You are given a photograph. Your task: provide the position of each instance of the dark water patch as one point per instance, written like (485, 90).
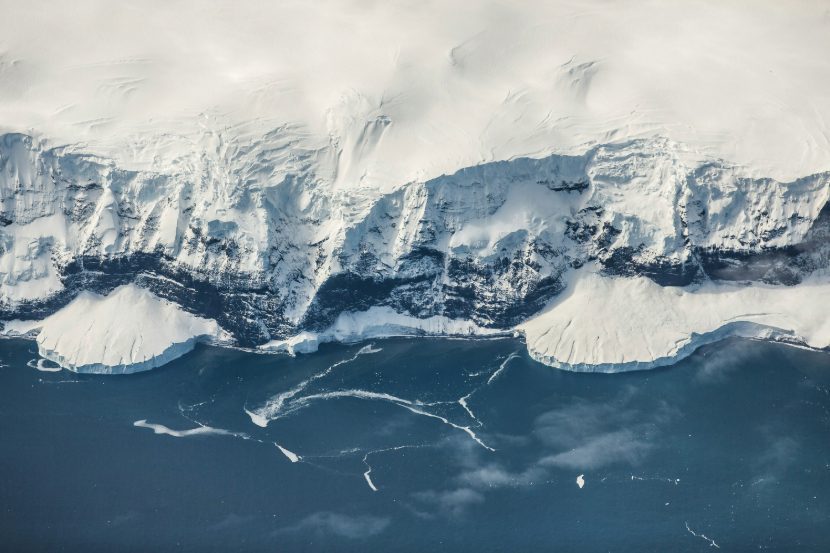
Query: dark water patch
(470, 446)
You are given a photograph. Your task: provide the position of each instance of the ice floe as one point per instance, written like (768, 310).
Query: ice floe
(198, 431)
(293, 457)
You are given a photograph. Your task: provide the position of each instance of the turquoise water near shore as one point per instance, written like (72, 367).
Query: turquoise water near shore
(418, 444)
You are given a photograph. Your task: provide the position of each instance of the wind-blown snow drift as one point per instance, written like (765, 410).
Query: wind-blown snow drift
(129, 330)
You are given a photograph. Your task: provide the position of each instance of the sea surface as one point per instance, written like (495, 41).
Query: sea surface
(417, 445)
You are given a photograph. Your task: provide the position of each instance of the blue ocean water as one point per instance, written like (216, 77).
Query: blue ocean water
(418, 445)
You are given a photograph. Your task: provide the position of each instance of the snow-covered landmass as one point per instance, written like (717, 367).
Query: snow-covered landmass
(614, 324)
(302, 172)
(127, 331)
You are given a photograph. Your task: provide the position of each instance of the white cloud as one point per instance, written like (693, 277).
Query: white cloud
(346, 526)
(622, 446)
(451, 502)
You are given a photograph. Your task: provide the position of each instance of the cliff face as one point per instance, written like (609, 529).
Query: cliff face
(258, 236)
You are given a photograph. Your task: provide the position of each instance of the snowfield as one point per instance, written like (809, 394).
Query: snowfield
(128, 331)
(409, 91)
(617, 324)
(619, 182)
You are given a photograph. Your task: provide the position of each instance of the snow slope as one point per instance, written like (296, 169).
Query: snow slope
(128, 331)
(615, 324)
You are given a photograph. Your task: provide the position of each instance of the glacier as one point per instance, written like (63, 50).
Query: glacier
(619, 324)
(129, 330)
(467, 176)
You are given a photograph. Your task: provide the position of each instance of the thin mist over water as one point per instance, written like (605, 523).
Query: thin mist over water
(418, 444)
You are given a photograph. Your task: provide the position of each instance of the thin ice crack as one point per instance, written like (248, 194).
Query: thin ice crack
(367, 475)
(272, 408)
(703, 536)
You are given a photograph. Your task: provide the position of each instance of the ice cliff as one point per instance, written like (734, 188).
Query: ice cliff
(130, 330)
(271, 257)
